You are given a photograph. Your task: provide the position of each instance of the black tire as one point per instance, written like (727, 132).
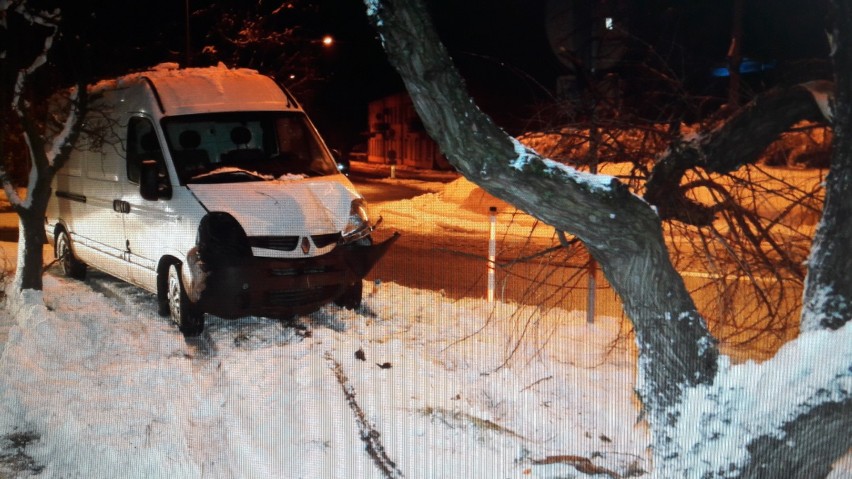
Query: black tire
(182, 312)
(351, 299)
(70, 266)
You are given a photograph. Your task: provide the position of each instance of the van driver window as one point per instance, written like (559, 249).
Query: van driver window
(142, 145)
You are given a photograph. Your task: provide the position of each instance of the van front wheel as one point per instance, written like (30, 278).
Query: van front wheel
(189, 320)
(68, 263)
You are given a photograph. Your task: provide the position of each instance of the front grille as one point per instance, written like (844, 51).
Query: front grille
(324, 240)
(306, 269)
(278, 243)
(299, 297)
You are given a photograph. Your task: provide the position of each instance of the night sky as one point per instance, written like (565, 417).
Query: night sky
(502, 50)
(500, 47)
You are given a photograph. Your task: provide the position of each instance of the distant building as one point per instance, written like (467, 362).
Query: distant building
(397, 135)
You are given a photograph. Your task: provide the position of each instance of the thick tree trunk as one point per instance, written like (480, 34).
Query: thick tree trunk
(828, 287)
(810, 444)
(31, 235)
(621, 231)
(31, 212)
(30, 245)
(677, 356)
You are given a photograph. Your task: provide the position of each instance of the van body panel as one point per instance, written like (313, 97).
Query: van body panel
(302, 208)
(217, 90)
(230, 149)
(155, 229)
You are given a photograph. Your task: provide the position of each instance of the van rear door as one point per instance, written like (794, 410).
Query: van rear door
(70, 201)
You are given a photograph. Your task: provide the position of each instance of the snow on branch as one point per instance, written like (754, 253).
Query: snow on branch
(594, 182)
(11, 193)
(823, 93)
(39, 61)
(43, 18)
(19, 103)
(62, 140)
(372, 7)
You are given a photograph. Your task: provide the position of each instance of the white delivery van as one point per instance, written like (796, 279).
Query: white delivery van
(211, 188)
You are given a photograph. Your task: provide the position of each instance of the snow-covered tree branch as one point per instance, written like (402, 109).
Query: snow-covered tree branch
(828, 288)
(685, 386)
(737, 141)
(620, 229)
(46, 154)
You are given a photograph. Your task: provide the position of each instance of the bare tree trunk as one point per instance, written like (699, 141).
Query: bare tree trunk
(828, 287)
(31, 211)
(31, 239)
(811, 443)
(620, 230)
(677, 356)
(46, 155)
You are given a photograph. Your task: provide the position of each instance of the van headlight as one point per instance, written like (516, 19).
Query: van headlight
(358, 225)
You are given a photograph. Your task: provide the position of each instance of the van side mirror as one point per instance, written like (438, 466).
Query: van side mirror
(150, 186)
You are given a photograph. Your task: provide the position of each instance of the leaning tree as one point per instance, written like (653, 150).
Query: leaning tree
(787, 417)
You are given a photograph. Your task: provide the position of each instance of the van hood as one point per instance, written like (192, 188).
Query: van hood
(282, 207)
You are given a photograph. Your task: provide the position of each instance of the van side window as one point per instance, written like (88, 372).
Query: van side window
(142, 144)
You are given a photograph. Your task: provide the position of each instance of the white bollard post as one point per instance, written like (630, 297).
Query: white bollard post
(492, 253)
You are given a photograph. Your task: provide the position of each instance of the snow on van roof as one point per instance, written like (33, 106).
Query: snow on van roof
(185, 91)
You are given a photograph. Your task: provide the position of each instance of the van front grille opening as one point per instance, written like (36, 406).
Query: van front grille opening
(277, 243)
(299, 297)
(324, 240)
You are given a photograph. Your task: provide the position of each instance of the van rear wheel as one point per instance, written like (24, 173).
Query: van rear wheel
(70, 266)
(188, 318)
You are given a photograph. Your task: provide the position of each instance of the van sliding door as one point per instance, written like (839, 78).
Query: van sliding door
(101, 228)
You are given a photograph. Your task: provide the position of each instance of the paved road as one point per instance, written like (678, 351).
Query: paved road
(457, 266)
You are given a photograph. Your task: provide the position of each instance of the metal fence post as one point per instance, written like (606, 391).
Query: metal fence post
(492, 253)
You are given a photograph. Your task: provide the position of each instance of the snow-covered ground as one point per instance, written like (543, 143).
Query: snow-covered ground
(94, 384)
(103, 385)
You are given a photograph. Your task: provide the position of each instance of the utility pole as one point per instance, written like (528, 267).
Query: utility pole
(735, 55)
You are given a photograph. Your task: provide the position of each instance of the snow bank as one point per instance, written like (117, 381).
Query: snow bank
(106, 385)
(71, 379)
(750, 400)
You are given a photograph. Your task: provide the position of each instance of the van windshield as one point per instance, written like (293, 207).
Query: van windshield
(245, 146)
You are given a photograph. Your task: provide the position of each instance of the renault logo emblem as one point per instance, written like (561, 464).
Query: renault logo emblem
(306, 245)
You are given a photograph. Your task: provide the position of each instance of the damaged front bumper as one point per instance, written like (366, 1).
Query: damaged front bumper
(279, 288)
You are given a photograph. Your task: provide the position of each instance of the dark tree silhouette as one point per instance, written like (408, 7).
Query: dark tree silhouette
(35, 32)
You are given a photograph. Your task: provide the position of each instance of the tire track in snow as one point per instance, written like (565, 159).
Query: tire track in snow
(369, 435)
(232, 364)
(129, 298)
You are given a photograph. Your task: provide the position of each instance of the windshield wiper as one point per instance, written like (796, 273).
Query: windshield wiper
(217, 175)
